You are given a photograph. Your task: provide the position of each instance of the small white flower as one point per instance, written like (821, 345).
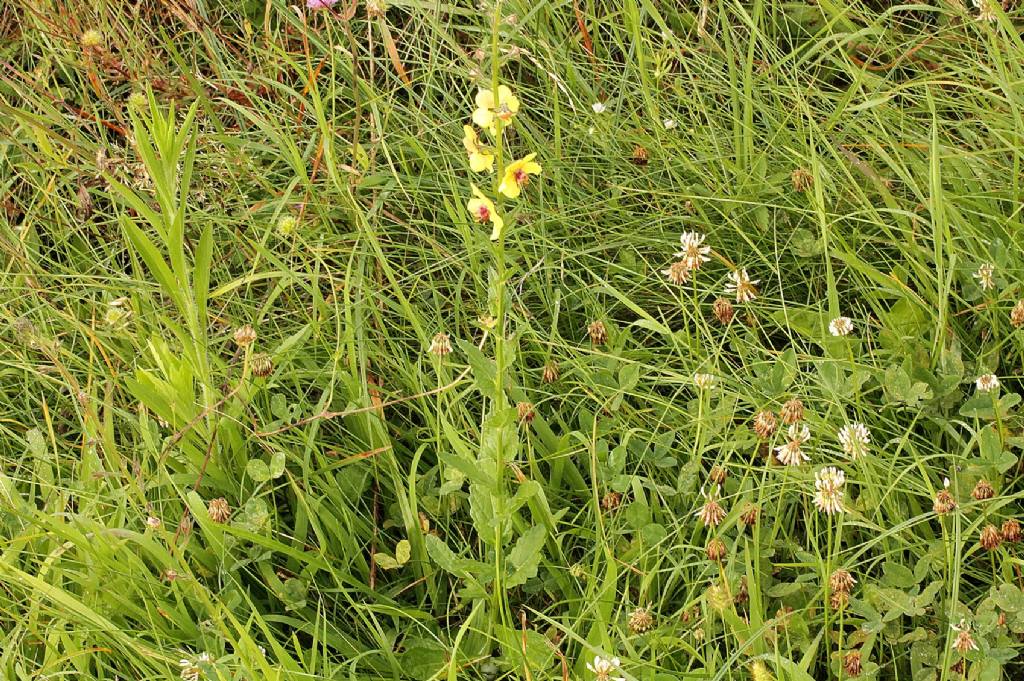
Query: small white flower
(603, 668)
(828, 489)
(791, 453)
(742, 285)
(590, 130)
(985, 276)
(855, 439)
(986, 383)
(669, 123)
(704, 381)
(598, 107)
(153, 523)
(841, 326)
(986, 10)
(192, 670)
(693, 253)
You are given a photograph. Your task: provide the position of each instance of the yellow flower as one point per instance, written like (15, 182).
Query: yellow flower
(479, 160)
(487, 109)
(482, 210)
(518, 174)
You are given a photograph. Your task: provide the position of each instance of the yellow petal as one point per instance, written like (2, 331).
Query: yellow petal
(509, 187)
(485, 98)
(484, 117)
(499, 225)
(469, 139)
(531, 168)
(479, 162)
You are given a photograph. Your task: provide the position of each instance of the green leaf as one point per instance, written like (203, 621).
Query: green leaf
(386, 562)
(258, 470)
(483, 368)
(276, 468)
(402, 551)
(525, 556)
(896, 575)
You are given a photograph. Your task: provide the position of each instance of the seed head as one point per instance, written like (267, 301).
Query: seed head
(640, 156)
(792, 411)
(718, 475)
(1017, 315)
(287, 225)
(91, 41)
(802, 180)
(1011, 531)
(983, 490)
(550, 373)
(723, 310)
(219, 510)
(749, 513)
(839, 600)
(611, 501)
(598, 333)
(718, 597)
(262, 365)
(964, 641)
(711, 514)
(153, 523)
(759, 672)
(245, 336)
(764, 424)
(677, 273)
(716, 550)
(990, 539)
(944, 502)
(841, 580)
(525, 412)
(851, 663)
(641, 620)
(440, 345)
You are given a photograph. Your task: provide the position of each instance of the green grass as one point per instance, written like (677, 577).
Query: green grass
(207, 165)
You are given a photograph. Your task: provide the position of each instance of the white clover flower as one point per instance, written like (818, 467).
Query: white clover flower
(828, 489)
(742, 285)
(598, 107)
(986, 383)
(985, 276)
(669, 123)
(603, 668)
(841, 326)
(704, 381)
(693, 253)
(855, 438)
(791, 453)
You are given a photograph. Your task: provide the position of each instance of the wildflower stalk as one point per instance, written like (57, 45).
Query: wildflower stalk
(499, 610)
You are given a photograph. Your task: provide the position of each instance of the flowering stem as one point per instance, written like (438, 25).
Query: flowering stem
(499, 604)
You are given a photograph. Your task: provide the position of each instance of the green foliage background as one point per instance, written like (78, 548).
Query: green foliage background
(197, 166)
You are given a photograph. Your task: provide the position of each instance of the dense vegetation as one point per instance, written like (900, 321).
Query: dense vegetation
(538, 340)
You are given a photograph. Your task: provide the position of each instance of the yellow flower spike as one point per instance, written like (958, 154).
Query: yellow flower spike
(482, 209)
(517, 174)
(488, 109)
(479, 160)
